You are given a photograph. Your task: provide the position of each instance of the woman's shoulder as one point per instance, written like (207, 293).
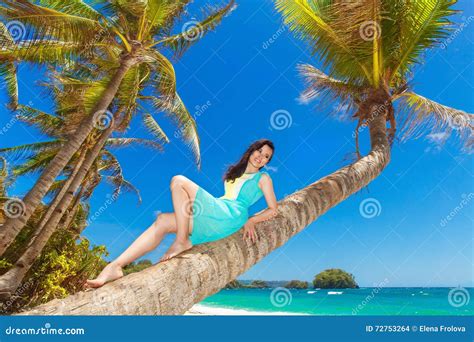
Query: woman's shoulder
(265, 175)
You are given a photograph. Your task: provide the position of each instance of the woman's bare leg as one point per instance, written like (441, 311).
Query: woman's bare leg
(165, 223)
(183, 193)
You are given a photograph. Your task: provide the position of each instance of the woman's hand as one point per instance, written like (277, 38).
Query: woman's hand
(249, 231)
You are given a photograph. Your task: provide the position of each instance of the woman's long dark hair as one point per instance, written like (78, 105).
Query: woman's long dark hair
(236, 170)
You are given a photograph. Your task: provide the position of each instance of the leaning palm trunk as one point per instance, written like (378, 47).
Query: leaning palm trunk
(72, 212)
(174, 286)
(32, 199)
(58, 198)
(10, 281)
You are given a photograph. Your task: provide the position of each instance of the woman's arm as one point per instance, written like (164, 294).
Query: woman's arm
(266, 185)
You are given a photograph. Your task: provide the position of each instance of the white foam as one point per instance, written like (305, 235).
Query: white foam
(199, 309)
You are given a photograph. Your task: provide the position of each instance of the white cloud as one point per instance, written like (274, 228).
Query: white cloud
(438, 140)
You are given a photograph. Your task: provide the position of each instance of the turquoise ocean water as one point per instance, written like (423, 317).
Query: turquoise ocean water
(363, 301)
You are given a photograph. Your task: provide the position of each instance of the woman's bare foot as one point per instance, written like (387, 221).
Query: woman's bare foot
(110, 272)
(176, 248)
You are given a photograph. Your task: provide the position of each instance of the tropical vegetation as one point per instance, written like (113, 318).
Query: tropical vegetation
(334, 278)
(368, 51)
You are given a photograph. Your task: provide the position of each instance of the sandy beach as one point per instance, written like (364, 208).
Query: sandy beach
(200, 309)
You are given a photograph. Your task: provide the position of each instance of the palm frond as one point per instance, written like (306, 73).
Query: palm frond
(4, 178)
(22, 151)
(45, 122)
(314, 22)
(73, 7)
(193, 30)
(51, 51)
(8, 73)
(35, 162)
(420, 115)
(178, 113)
(327, 90)
(117, 179)
(65, 23)
(154, 128)
(162, 15)
(6, 39)
(421, 25)
(124, 142)
(165, 77)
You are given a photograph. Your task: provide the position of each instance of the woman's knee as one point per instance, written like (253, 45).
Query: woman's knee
(178, 180)
(165, 222)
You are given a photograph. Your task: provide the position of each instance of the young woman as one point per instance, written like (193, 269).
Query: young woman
(210, 218)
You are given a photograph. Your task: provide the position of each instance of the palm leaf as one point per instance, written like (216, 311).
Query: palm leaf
(124, 142)
(22, 151)
(420, 114)
(193, 30)
(61, 25)
(117, 179)
(154, 128)
(8, 73)
(46, 123)
(312, 21)
(165, 77)
(178, 113)
(36, 162)
(422, 24)
(50, 51)
(327, 90)
(161, 15)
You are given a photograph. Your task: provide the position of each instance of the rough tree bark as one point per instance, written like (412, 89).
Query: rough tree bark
(172, 287)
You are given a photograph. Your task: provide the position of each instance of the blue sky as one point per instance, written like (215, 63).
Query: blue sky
(232, 81)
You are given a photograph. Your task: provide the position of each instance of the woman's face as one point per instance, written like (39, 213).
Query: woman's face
(260, 157)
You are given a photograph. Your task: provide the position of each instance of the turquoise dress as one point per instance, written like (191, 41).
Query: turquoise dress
(215, 218)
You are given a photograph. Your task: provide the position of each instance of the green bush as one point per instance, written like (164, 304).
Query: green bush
(334, 278)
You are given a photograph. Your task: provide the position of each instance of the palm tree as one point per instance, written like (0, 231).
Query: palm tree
(130, 36)
(4, 182)
(80, 177)
(368, 71)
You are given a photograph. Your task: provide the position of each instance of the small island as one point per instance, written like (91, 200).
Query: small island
(234, 284)
(296, 284)
(255, 284)
(258, 284)
(334, 278)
